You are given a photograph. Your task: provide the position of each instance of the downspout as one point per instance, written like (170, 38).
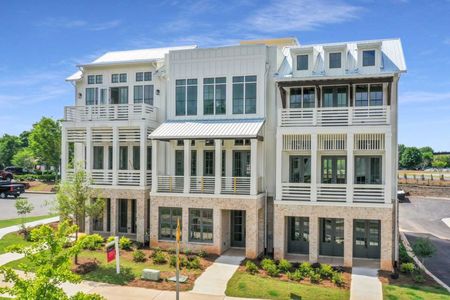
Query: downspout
(265, 173)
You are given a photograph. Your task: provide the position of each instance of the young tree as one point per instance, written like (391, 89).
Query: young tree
(45, 141)
(49, 257)
(423, 248)
(24, 158)
(411, 158)
(76, 200)
(23, 207)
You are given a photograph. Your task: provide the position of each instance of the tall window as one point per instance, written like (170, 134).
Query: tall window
(149, 157)
(136, 157)
(368, 170)
(98, 157)
(179, 163)
(334, 169)
(302, 62)
(376, 94)
(110, 157)
(368, 57)
(208, 162)
(244, 94)
(193, 162)
(335, 60)
(186, 97)
(336, 96)
(300, 169)
(373, 98)
(302, 97)
(201, 225)
(214, 95)
(119, 95)
(143, 94)
(168, 222)
(123, 158)
(91, 96)
(241, 163)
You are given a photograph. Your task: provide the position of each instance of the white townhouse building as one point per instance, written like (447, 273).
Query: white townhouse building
(269, 146)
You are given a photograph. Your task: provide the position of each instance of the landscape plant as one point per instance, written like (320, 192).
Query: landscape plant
(284, 265)
(423, 248)
(305, 269)
(139, 256)
(23, 207)
(91, 241)
(125, 243)
(407, 268)
(326, 271)
(251, 267)
(159, 257)
(296, 275)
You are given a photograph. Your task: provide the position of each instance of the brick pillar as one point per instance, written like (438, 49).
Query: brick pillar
(141, 213)
(386, 243)
(279, 239)
(314, 239)
(348, 242)
(251, 233)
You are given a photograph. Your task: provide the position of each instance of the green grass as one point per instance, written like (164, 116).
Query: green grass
(252, 286)
(409, 292)
(9, 239)
(18, 221)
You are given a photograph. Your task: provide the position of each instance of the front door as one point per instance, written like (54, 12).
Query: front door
(298, 235)
(366, 238)
(238, 228)
(331, 237)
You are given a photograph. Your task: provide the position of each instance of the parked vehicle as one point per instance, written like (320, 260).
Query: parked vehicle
(16, 170)
(11, 189)
(4, 175)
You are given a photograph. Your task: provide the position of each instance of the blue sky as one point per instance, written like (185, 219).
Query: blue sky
(42, 41)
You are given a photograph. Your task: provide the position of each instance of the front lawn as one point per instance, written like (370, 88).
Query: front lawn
(13, 238)
(243, 284)
(409, 292)
(18, 221)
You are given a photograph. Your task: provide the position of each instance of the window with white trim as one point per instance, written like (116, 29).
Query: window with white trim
(214, 95)
(244, 94)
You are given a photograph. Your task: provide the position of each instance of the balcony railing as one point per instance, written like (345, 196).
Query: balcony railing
(236, 185)
(334, 116)
(110, 112)
(102, 177)
(202, 184)
(129, 177)
(371, 193)
(292, 191)
(332, 192)
(171, 184)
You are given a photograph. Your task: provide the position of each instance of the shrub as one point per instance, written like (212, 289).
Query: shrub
(314, 277)
(272, 270)
(173, 261)
(194, 263)
(159, 257)
(418, 277)
(316, 265)
(337, 279)
(110, 239)
(251, 267)
(404, 257)
(202, 254)
(125, 243)
(156, 249)
(187, 251)
(296, 275)
(267, 263)
(91, 242)
(407, 268)
(326, 271)
(284, 265)
(183, 262)
(171, 250)
(305, 269)
(138, 256)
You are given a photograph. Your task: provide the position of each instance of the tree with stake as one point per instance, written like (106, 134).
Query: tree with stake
(23, 207)
(76, 200)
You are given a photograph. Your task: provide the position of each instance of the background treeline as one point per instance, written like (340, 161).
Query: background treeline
(421, 158)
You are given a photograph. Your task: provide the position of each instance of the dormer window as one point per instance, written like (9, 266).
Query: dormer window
(368, 57)
(335, 60)
(302, 62)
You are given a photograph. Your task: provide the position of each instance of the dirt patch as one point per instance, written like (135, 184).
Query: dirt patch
(425, 191)
(404, 279)
(38, 186)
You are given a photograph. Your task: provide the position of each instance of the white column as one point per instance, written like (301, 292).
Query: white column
(388, 168)
(88, 150)
(254, 167)
(155, 145)
(115, 154)
(218, 166)
(187, 165)
(315, 168)
(350, 167)
(143, 155)
(64, 154)
(278, 166)
(200, 148)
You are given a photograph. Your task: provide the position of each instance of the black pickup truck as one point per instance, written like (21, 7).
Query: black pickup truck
(8, 188)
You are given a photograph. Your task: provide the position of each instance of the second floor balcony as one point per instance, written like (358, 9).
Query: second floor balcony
(110, 112)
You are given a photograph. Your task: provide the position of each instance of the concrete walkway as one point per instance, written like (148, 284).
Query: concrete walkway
(6, 230)
(215, 278)
(365, 284)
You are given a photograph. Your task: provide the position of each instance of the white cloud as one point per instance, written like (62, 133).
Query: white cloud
(64, 23)
(424, 97)
(300, 15)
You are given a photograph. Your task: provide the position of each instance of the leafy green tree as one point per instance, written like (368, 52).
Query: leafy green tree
(9, 144)
(427, 159)
(426, 149)
(23, 207)
(24, 158)
(23, 137)
(401, 149)
(45, 141)
(49, 257)
(76, 200)
(411, 158)
(423, 248)
(439, 162)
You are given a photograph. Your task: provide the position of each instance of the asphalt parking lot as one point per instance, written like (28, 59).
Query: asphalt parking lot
(422, 217)
(41, 202)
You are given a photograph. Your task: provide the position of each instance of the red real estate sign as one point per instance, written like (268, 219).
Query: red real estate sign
(110, 253)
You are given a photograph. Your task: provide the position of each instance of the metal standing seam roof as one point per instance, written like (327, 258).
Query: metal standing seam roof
(208, 129)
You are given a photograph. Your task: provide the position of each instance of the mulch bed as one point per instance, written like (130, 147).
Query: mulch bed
(404, 279)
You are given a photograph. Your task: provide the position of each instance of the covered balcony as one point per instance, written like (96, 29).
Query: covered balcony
(213, 157)
(110, 112)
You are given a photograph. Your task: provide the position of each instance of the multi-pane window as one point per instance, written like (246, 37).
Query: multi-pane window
(224, 157)
(201, 225)
(143, 94)
(119, 95)
(241, 163)
(373, 98)
(179, 163)
(136, 158)
(91, 79)
(302, 62)
(98, 157)
(334, 169)
(335, 60)
(143, 76)
(115, 78)
(123, 77)
(110, 157)
(245, 142)
(149, 157)
(123, 158)
(336, 96)
(302, 97)
(193, 162)
(98, 79)
(91, 96)
(368, 57)
(368, 170)
(214, 96)
(168, 217)
(244, 94)
(186, 97)
(300, 169)
(208, 162)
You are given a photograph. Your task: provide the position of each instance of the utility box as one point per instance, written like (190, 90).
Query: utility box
(150, 274)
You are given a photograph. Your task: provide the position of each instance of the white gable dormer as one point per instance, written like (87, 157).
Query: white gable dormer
(369, 57)
(335, 58)
(304, 61)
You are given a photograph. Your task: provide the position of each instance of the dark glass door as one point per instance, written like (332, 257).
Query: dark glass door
(366, 238)
(298, 235)
(331, 237)
(238, 228)
(123, 218)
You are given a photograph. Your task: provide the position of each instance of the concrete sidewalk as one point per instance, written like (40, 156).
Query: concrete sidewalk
(365, 284)
(6, 230)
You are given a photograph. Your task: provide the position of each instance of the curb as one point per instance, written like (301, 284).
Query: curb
(417, 261)
(37, 192)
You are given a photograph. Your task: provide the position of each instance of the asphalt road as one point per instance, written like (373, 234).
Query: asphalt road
(422, 217)
(39, 201)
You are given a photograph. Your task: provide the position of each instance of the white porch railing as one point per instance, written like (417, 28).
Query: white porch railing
(129, 177)
(102, 177)
(202, 184)
(236, 185)
(370, 193)
(171, 184)
(332, 192)
(293, 191)
(108, 112)
(334, 116)
(148, 178)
